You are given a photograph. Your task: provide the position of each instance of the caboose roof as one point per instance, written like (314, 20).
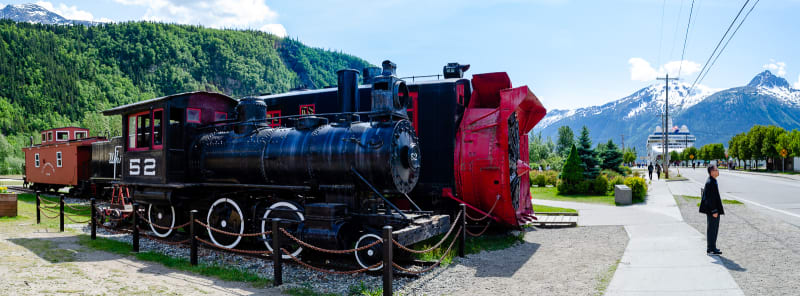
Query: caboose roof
(138, 105)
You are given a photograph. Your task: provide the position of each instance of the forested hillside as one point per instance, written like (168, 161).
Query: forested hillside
(52, 75)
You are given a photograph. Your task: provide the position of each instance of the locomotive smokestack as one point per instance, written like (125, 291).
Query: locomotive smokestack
(250, 112)
(348, 90)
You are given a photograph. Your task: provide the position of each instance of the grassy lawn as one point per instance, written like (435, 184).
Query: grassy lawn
(551, 193)
(549, 209)
(724, 201)
(226, 273)
(10, 182)
(26, 212)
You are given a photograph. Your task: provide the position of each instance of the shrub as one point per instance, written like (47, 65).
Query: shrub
(638, 187)
(584, 187)
(610, 174)
(539, 180)
(551, 178)
(626, 171)
(600, 184)
(564, 188)
(618, 180)
(572, 174)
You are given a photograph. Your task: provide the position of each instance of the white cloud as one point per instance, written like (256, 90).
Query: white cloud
(239, 14)
(70, 12)
(641, 70)
(779, 68)
(797, 84)
(276, 29)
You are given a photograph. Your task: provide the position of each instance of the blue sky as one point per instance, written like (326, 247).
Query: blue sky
(570, 53)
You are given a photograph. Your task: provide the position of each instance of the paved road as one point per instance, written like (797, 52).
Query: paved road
(777, 195)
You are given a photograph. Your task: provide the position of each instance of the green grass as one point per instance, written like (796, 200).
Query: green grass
(605, 279)
(724, 201)
(10, 182)
(486, 242)
(211, 270)
(26, 213)
(551, 193)
(549, 209)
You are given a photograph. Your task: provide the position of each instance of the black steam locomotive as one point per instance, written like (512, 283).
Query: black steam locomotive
(334, 176)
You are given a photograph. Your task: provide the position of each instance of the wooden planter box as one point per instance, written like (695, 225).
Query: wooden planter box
(8, 204)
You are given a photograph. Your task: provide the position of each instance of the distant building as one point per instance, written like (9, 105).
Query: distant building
(678, 139)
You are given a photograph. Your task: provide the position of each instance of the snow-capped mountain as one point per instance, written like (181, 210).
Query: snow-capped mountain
(33, 13)
(712, 115)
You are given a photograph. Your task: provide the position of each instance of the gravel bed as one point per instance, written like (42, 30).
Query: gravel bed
(566, 261)
(293, 275)
(761, 252)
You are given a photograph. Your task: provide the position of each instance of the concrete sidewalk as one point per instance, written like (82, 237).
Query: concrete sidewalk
(664, 256)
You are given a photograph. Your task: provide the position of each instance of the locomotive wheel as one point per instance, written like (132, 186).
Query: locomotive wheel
(161, 215)
(225, 214)
(372, 255)
(292, 213)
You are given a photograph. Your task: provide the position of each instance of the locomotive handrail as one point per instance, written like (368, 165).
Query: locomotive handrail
(407, 249)
(232, 122)
(389, 203)
(435, 264)
(230, 233)
(298, 261)
(327, 250)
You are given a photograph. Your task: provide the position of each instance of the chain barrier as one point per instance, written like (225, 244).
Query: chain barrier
(48, 201)
(479, 233)
(489, 213)
(231, 233)
(74, 221)
(78, 210)
(232, 249)
(429, 268)
(162, 227)
(159, 239)
(115, 231)
(51, 217)
(326, 250)
(298, 261)
(407, 249)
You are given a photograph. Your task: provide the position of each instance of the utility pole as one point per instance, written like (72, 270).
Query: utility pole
(665, 134)
(623, 142)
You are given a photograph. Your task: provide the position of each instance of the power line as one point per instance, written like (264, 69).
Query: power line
(675, 34)
(685, 38)
(729, 40)
(718, 44)
(661, 32)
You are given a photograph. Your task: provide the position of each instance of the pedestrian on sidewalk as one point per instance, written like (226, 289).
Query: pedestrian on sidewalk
(711, 205)
(650, 170)
(658, 171)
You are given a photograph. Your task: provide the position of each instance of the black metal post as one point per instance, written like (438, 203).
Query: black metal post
(387, 260)
(193, 252)
(93, 219)
(136, 227)
(38, 204)
(462, 238)
(61, 224)
(277, 255)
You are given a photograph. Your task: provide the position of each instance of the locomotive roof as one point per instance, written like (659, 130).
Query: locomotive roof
(123, 109)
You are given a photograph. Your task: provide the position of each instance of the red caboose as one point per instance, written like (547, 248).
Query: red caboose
(62, 159)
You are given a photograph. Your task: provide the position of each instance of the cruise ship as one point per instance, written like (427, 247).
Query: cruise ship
(678, 138)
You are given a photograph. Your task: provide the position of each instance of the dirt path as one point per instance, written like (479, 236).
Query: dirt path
(38, 261)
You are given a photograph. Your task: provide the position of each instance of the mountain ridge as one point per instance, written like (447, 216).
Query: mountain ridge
(766, 99)
(36, 14)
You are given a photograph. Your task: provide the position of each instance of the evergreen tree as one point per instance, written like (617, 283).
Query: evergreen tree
(566, 139)
(589, 160)
(572, 173)
(612, 157)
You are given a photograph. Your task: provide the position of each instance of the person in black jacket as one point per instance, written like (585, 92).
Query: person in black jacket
(711, 205)
(650, 171)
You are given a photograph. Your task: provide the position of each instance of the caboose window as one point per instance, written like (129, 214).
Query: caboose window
(49, 136)
(36, 160)
(80, 135)
(58, 159)
(193, 115)
(44, 137)
(62, 136)
(158, 129)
